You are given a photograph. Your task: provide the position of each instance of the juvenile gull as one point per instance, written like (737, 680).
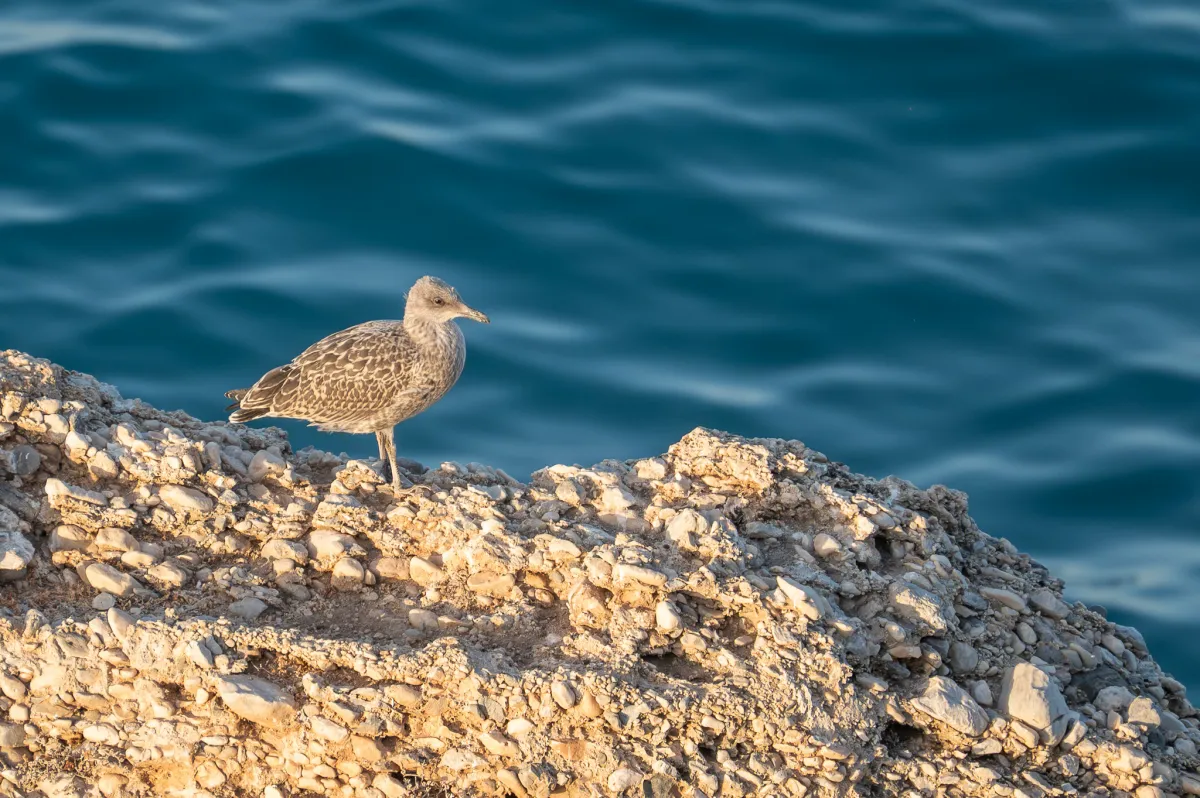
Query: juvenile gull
(372, 376)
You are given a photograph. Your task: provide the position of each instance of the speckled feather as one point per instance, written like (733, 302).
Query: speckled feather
(367, 378)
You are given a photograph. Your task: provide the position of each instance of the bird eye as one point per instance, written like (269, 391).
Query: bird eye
(437, 300)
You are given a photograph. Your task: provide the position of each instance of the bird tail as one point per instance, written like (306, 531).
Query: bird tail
(236, 396)
(257, 400)
(242, 414)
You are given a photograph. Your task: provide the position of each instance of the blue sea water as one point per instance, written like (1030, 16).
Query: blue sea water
(954, 240)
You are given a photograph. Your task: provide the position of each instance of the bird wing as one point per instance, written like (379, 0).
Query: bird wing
(343, 381)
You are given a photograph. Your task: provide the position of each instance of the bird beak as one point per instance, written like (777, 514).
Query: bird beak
(472, 313)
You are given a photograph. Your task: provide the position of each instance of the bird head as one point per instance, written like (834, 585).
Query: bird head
(433, 300)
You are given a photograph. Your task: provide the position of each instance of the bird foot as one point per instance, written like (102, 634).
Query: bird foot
(410, 492)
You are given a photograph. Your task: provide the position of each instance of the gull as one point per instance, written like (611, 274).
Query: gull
(372, 376)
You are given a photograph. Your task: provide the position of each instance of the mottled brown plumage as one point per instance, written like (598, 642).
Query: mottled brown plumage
(372, 376)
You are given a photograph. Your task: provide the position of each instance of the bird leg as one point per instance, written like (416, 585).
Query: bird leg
(399, 483)
(385, 461)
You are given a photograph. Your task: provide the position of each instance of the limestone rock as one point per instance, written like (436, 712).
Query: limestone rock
(944, 700)
(185, 500)
(1030, 695)
(257, 700)
(110, 580)
(16, 552)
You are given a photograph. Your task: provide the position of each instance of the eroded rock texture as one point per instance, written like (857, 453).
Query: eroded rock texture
(192, 609)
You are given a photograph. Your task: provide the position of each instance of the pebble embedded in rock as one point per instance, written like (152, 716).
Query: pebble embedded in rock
(563, 694)
(498, 744)
(248, 608)
(16, 552)
(265, 463)
(280, 549)
(1143, 713)
(257, 700)
(519, 727)
(348, 574)
(423, 620)
(12, 688)
(623, 779)
(116, 540)
(102, 734)
(329, 730)
(1005, 597)
(24, 460)
(963, 657)
(1113, 699)
(390, 786)
(110, 580)
(919, 606)
(489, 583)
(11, 735)
(946, 701)
(168, 574)
(210, 776)
(185, 500)
(806, 600)
(666, 617)
(69, 537)
(624, 572)
(325, 545)
(390, 568)
(827, 546)
(425, 572)
(1029, 694)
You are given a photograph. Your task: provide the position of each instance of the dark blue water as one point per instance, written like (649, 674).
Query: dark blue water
(952, 240)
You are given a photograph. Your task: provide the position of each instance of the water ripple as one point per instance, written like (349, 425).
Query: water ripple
(953, 241)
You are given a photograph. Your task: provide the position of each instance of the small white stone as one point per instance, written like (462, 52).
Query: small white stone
(103, 734)
(326, 545)
(116, 540)
(623, 779)
(120, 622)
(69, 537)
(331, 731)
(666, 616)
(1113, 699)
(563, 695)
(348, 574)
(1005, 597)
(944, 700)
(1143, 713)
(103, 602)
(105, 577)
(826, 546)
(257, 700)
(424, 572)
(498, 744)
(15, 551)
(1029, 694)
(199, 654)
(624, 572)
(519, 727)
(807, 601)
(423, 619)
(248, 608)
(280, 549)
(264, 464)
(185, 500)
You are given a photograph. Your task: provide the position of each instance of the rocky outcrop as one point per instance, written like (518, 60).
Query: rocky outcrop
(193, 609)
